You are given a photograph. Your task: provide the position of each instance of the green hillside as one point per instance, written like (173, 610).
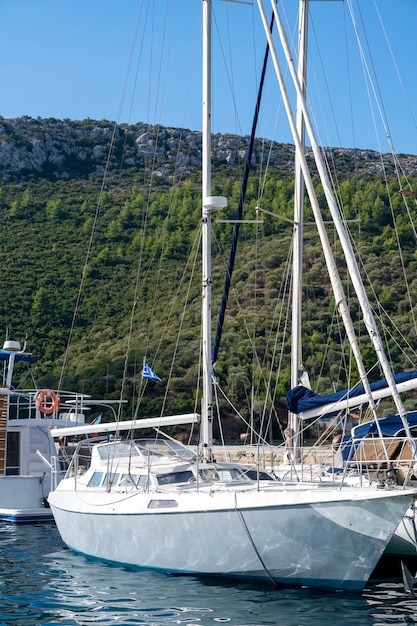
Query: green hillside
(123, 256)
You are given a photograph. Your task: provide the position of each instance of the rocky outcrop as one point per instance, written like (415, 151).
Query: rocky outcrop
(65, 149)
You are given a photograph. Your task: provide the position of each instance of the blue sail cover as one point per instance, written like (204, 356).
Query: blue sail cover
(19, 356)
(300, 399)
(391, 426)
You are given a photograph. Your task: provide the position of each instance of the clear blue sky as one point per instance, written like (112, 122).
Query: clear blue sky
(69, 59)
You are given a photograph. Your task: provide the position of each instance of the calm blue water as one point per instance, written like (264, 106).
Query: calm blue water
(41, 582)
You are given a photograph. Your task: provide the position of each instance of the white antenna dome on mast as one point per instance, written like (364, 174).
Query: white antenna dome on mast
(12, 346)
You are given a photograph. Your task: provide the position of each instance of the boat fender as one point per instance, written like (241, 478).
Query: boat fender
(47, 401)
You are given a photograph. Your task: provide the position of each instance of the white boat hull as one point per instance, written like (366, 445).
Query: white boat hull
(403, 543)
(294, 537)
(22, 499)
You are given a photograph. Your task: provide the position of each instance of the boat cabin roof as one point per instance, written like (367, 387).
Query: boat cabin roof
(141, 451)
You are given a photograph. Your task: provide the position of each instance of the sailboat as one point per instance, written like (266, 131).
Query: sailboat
(153, 503)
(390, 447)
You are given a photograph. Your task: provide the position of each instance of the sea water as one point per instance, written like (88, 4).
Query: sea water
(42, 582)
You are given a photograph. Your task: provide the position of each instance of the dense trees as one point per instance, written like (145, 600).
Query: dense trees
(128, 259)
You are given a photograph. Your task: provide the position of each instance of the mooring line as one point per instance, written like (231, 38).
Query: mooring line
(242, 520)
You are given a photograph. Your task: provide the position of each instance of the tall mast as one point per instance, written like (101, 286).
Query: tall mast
(298, 234)
(341, 231)
(209, 205)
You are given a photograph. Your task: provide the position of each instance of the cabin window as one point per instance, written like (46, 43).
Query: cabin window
(110, 479)
(117, 450)
(161, 447)
(143, 481)
(162, 504)
(128, 480)
(209, 474)
(175, 477)
(95, 480)
(254, 474)
(230, 474)
(133, 480)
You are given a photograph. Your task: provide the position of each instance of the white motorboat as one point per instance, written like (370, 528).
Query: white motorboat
(26, 445)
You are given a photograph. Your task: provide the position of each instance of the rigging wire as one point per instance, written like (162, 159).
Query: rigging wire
(97, 213)
(239, 214)
(373, 88)
(395, 65)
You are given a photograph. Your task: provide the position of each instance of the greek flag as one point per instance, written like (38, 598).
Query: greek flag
(148, 373)
(97, 420)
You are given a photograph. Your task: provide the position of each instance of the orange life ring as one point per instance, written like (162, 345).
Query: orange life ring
(47, 401)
